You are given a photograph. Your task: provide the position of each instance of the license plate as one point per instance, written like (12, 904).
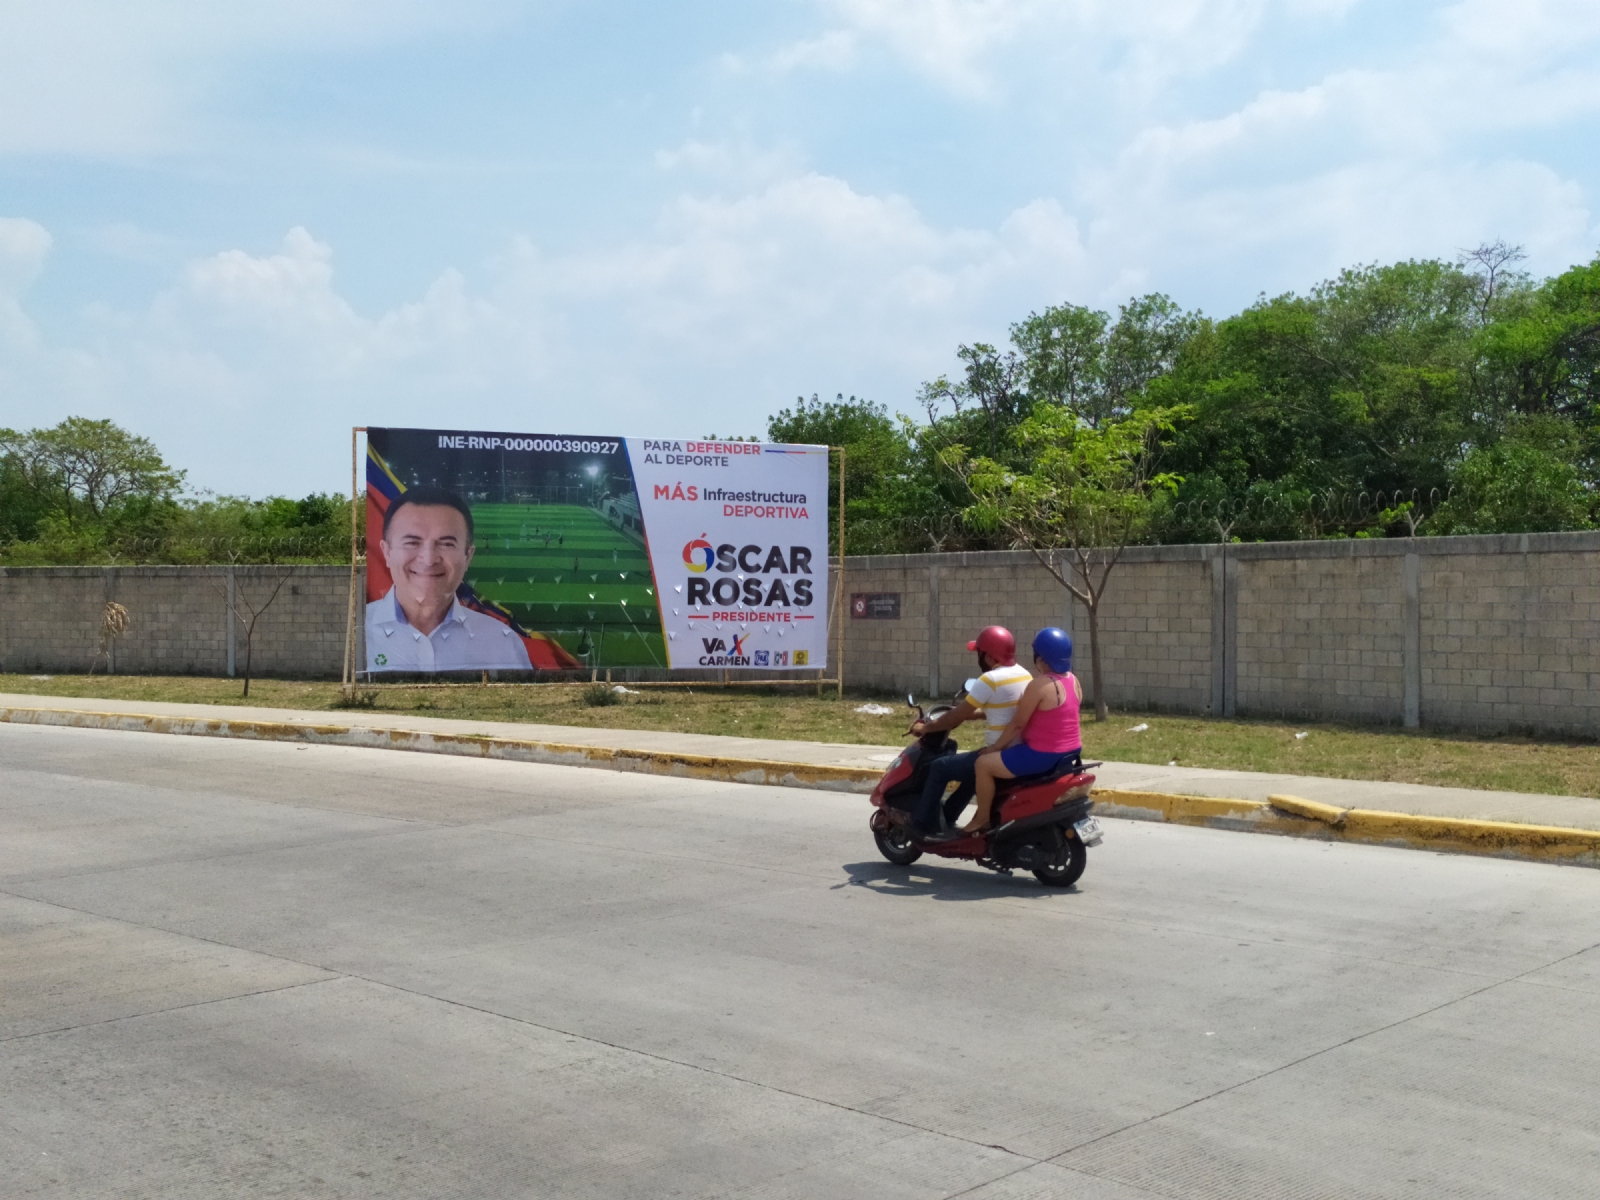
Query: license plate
(1089, 831)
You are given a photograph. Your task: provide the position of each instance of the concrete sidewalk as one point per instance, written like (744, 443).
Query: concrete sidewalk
(1463, 803)
(827, 754)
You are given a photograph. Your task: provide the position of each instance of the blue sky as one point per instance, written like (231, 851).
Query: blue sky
(242, 228)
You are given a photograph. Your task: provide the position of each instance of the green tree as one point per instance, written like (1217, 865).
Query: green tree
(1364, 386)
(880, 487)
(1086, 496)
(1527, 482)
(87, 491)
(1541, 357)
(1143, 346)
(1098, 369)
(991, 388)
(1063, 352)
(84, 468)
(24, 504)
(1348, 410)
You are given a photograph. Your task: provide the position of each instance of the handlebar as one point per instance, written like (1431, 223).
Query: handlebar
(911, 702)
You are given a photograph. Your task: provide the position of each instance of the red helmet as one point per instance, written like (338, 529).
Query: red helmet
(997, 642)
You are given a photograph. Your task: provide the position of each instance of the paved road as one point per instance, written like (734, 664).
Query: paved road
(231, 968)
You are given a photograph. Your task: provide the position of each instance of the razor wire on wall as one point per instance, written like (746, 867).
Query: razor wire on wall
(1311, 515)
(238, 550)
(1302, 516)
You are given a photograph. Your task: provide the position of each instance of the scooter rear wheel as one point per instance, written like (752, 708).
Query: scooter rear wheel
(1067, 866)
(896, 845)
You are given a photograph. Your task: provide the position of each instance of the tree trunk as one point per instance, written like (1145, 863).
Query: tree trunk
(1095, 674)
(249, 648)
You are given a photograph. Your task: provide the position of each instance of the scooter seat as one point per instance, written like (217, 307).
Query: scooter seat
(1066, 767)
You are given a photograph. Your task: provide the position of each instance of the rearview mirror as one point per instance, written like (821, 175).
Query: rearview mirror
(911, 701)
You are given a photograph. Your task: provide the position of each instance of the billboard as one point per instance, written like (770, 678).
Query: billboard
(516, 552)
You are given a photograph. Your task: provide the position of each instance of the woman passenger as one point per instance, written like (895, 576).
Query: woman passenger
(1043, 729)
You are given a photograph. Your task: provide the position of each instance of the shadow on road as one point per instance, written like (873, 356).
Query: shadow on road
(925, 878)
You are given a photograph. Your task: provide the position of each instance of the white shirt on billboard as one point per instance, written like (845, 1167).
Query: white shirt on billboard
(464, 641)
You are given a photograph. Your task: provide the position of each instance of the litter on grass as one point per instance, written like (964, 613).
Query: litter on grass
(622, 691)
(1300, 737)
(1139, 728)
(874, 710)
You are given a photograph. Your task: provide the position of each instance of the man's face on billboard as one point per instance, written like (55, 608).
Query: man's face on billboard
(427, 551)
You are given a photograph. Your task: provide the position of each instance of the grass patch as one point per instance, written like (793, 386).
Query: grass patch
(792, 714)
(1513, 764)
(1496, 763)
(601, 695)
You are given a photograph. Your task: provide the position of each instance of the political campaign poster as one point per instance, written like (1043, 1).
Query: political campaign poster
(738, 536)
(529, 552)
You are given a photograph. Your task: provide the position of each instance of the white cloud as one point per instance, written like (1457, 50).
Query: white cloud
(729, 162)
(1522, 29)
(971, 46)
(833, 50)
(1414, 159)
(275, 325)
(1472, 51)
(809, 269)
(946, 39)
(104, 78)
(1294, 232)
(24, 246)
(764, 273)
(132, 243)
(730, 306)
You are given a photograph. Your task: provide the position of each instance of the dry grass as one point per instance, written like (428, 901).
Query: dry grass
(1501, 763)
(793, 714)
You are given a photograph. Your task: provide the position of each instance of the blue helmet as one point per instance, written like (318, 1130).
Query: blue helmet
(1054, 646)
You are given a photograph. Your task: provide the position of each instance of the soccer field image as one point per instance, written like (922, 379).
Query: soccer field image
(563, 570)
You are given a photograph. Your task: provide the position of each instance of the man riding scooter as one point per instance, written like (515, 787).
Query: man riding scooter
(993, 696)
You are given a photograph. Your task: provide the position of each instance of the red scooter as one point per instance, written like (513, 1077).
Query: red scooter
(1041, 823)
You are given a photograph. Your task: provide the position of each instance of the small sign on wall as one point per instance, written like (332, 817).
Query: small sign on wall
(875, 606)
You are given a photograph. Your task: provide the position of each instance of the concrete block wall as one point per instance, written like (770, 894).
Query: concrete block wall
(1488, 633)
(1482, 633)
(967, 600)
(889, 654)
(945, 599)
(1155, 631)
(179, 620)
(1322, 637)
(1155, 622)
(1512, 638)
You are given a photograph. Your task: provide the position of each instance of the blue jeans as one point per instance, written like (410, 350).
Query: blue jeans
(960, 767)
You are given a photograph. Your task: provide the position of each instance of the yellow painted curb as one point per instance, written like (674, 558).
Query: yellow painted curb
(1312, 810)
(1504, 839)
(1299, 817)
(649, 762)
(1289, 815)
(1176, 809)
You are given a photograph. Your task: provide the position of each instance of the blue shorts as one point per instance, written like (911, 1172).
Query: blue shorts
(1023, 759)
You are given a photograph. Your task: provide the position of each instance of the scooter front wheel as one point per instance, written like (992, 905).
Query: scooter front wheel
(896, 844)
(1065, 869)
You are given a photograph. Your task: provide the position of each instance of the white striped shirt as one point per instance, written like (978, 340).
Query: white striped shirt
(997, 692)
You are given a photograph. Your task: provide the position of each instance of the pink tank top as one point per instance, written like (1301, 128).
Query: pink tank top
(1055, 730)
